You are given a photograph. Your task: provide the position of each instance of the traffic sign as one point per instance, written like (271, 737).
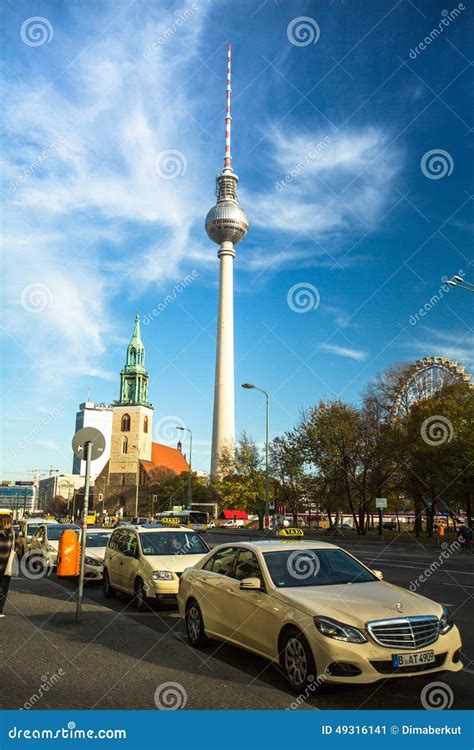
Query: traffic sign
(88, 444)
(88, 435)
(380, 502)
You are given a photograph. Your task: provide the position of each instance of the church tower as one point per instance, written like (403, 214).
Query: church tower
(132, 419)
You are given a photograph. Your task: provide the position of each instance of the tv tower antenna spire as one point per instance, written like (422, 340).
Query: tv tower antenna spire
(226, 225)
(228, 116)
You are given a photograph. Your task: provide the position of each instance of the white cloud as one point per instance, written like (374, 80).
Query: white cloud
(82, 185)
(342, 351)
(325, 185)
(456, 346)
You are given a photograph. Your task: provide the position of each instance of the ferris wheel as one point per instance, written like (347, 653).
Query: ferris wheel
(425, 378)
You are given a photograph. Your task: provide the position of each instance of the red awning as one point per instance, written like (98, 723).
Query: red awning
(238, 515)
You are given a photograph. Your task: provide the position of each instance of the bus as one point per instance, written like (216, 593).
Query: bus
(195, 519)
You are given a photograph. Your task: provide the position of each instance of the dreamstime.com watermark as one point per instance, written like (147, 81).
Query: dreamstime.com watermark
(36, 297)
(179, 287)
(181, 17)
(437, 696)
(434, 299)
(436, 564)
(303, 297)
(67, 733)
(437, 430)
(35, 165)
(303, 564)
(170, 163)
(47, 682)
(446, 20)
(170, 696)
(302, 31)
(311, 154)
(436, 164)
(36, 31)
(312, 687)
(37, 430)
(169, 429)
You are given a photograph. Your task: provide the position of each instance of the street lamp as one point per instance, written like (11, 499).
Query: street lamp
(138, 480)
(461, 283)
(190, 487)
(267, 427)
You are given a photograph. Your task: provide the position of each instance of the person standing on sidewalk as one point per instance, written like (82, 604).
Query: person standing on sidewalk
(7, 553)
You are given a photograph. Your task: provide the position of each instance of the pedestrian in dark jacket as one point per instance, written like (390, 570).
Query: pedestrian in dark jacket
(7, 552)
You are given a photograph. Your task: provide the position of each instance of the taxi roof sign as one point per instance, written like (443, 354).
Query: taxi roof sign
(292, 532)
(170, 521)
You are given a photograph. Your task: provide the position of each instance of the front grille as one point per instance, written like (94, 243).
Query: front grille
(405, 632)
(386, 667)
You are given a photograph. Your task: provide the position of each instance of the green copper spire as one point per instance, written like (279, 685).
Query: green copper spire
(134, 377)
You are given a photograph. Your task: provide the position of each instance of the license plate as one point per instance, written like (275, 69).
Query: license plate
(412, 660)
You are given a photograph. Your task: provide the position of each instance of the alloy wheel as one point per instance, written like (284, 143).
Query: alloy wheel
(296, 663)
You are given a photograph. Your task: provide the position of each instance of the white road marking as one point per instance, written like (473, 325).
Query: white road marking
(464, 586)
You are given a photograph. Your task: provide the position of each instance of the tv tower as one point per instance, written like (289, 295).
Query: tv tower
(226, 225)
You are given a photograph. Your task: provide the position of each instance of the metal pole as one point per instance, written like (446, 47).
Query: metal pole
(267, 475)
(138, 479)
(88, 447)
(190, 486)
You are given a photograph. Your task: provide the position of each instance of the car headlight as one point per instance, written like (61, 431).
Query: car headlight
(339, 631)
(51, 548)
(93, 561)
(162, 575)
(445, 622)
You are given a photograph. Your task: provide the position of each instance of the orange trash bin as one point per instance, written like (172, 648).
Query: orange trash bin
(68, 554)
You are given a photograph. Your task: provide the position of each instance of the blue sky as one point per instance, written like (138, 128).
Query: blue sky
(353, 146)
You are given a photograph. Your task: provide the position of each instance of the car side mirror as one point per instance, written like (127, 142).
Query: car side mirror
(250, 584)
(378, 574)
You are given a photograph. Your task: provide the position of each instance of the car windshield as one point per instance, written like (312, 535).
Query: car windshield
(315, 567)
(54, 532)
(98, 540)
(173, 543)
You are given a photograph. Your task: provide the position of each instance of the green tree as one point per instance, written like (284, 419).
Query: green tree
(242, 484)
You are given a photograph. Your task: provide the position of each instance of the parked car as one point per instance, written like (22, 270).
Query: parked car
(45, 542)
(315, 610)
(147, 562)
(25, 533)
(96, 544)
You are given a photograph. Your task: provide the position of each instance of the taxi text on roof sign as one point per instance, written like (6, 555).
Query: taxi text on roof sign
(170, 521)
(291, 532)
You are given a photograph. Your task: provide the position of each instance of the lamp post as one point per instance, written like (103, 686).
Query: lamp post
(190, 486)
(138, 480)
(267, 428)
(68, 485)
(461, 283)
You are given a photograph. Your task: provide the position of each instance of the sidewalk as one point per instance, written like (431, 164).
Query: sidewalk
(108, 661)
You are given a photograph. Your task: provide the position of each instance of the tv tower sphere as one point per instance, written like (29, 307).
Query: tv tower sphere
(226, 225)
(226, 221)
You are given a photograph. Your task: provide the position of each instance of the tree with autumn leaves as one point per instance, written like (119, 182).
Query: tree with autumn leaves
(340, 457)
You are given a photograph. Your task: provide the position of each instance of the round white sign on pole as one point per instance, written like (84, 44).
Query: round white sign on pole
(88, 435)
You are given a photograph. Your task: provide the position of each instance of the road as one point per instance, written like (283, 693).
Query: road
(451, 584)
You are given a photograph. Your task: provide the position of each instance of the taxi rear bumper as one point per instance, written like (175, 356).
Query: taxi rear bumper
(340, 662)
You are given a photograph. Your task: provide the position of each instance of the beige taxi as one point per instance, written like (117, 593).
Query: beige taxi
(318, 612)
(147, 562)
